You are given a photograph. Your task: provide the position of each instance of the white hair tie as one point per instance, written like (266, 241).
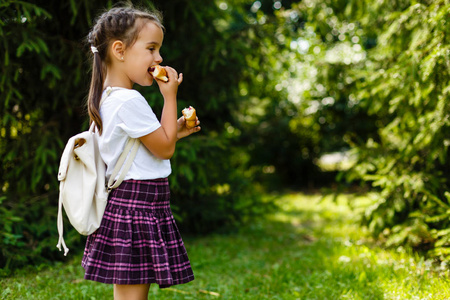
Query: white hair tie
(94, 49)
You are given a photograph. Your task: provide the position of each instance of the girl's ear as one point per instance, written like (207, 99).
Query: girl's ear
(118, 50)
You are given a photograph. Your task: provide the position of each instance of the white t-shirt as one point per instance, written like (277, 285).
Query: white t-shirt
(125, 113)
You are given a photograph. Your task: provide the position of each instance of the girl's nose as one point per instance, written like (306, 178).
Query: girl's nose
(158, 58)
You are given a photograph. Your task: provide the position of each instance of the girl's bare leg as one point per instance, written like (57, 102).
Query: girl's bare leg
(131, 291)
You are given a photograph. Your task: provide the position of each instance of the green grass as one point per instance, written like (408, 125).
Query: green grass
(312, 248)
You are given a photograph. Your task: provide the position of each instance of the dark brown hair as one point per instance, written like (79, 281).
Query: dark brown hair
(115, 24)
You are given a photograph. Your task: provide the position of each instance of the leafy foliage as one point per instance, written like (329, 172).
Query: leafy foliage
(34, 93)
(44, 81)
(371, 77)
(385, 64)
(407, 88)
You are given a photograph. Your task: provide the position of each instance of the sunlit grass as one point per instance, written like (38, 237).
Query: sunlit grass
(312, 248)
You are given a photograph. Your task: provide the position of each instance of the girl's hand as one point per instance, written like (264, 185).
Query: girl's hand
(183, 131)
(169, 89)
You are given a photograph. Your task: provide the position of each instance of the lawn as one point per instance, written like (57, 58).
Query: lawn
(312, 248)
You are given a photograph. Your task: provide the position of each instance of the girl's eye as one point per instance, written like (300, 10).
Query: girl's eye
(151, 49)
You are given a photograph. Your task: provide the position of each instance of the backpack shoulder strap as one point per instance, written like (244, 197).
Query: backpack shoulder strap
(125, 161)
(131, 148)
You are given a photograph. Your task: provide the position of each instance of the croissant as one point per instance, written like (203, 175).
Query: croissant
(159, 72)
(190, 116)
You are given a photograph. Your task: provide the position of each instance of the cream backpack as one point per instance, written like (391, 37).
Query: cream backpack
(82, 174)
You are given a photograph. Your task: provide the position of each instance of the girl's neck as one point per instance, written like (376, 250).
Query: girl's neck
(117, 79)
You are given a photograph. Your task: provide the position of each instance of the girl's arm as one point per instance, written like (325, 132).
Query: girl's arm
(161, 142)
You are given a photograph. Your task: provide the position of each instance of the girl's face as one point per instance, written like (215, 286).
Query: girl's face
(143, 54)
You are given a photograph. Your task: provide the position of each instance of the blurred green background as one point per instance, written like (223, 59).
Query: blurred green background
(292, 95)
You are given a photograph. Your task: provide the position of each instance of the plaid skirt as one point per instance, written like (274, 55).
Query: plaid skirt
(138, 241)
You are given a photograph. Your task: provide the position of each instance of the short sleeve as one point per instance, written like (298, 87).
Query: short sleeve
(137, 117)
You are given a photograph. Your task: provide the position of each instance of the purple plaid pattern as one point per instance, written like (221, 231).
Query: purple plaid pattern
(138, 240)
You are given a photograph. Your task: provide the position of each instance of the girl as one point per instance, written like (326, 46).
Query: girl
(138, 242)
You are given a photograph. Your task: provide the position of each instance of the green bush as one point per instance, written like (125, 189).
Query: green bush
(44, 82)
(406, 87)
(386, 65)
(370, 77)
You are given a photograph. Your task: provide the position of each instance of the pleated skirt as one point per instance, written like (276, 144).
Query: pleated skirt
(138, 241)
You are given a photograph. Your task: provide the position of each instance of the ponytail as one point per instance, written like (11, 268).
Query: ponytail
(95, 92)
